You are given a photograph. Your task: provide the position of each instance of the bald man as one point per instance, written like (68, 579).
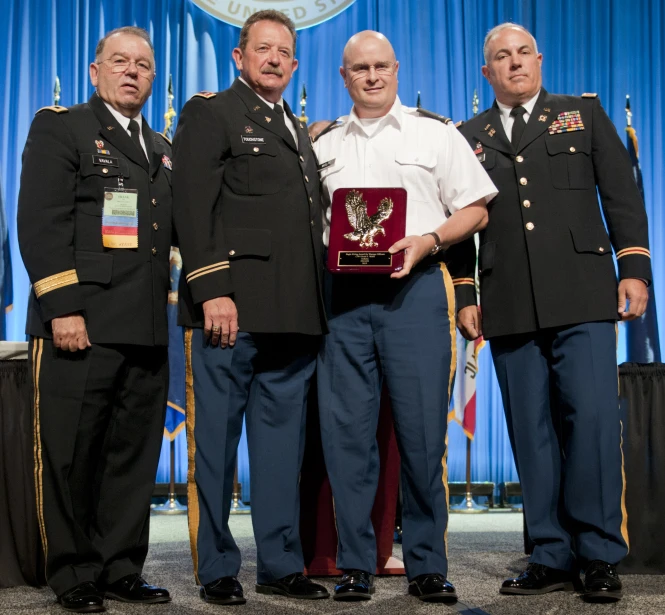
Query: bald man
(399, 328)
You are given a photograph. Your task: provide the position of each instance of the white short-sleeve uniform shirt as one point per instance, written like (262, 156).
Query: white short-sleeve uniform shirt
(427, 157)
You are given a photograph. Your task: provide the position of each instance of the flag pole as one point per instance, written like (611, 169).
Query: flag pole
(468, 505)
(56, 92)
(171, 506)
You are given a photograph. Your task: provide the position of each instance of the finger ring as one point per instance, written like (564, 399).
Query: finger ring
(215, 328)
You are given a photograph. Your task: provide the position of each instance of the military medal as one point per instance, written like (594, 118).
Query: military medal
(566, 121)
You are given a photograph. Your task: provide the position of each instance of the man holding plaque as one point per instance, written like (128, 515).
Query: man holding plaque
(550, 301)
(395, 327)
(94, 226)
(247, 210)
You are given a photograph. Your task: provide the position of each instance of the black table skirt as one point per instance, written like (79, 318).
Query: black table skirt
(21, 558)
(642, 391)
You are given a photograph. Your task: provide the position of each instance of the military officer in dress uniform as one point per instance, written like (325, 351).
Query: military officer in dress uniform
(550, 303)
(246, 197)
(400, 328)
(94, 226)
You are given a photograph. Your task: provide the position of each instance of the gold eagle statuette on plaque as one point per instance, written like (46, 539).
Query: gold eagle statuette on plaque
(365, 226)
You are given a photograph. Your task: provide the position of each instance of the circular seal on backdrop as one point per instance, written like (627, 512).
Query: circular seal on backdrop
(304, 13)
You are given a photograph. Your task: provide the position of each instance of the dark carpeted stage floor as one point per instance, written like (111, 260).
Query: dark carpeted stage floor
(483, 550)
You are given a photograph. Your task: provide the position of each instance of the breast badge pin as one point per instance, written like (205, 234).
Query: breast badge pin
(542, 118)
(268, 119)
(249, 130)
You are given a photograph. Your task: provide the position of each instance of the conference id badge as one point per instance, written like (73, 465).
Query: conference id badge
(120, 218)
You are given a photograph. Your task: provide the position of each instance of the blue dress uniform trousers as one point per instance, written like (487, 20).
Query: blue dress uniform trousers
(401, 332)
(265, 378)
(560, 394)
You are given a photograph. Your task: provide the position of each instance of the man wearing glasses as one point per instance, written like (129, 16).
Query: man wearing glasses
(94, 224)
(398, 329)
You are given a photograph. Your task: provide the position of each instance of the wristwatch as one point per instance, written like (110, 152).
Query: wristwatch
(437, 245)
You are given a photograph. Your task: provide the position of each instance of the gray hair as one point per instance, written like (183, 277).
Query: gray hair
(495, 32)
(133, 30)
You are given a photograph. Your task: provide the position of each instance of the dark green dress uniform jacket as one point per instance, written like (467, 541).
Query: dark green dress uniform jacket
(121, 292)
(545, 258)
(248, 214)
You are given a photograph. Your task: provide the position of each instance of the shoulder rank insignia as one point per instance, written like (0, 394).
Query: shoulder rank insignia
(334, 124)
(458, 124)
(589, 95)
(163, 136)
(205, 94)
(434, 116)
(54, 108)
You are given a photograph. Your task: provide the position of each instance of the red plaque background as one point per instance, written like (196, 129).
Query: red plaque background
(345, 255)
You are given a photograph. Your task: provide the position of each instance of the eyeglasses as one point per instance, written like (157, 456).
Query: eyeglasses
(120, 65)
(362, 70)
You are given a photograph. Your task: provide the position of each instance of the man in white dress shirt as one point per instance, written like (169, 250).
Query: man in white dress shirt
(399, 328)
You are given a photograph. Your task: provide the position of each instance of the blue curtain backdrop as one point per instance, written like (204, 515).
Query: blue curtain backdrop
(613, 47)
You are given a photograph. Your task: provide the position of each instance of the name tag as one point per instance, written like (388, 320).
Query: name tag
(325, 165)
(252, 139)
(105, 161)
(120, 221)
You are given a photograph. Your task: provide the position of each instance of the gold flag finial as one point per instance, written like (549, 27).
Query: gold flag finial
(56, 91)
(169, 116)
(303, 103)
(474, 102)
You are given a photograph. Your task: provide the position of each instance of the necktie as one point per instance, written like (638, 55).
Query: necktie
(279, 110)
(134, 132)
(518, 125)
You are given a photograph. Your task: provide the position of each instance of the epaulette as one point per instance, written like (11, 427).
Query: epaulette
(163, 136)
(434, 116)
(589, 95)
(334, 124)
(459, 123)
(54, 108)
(205, 94)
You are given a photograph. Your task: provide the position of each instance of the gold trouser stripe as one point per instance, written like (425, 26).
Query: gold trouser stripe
(53, 282)
(198, 275)
(193, 514)
(450, 295)
(624, 511)
(37, 350)
(205, 269)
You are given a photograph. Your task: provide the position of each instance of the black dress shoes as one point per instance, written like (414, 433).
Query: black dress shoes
(133, 588)
(538, 579)
(432, 588)
(355, 585)
(601, 582)
(84, 598)
(295, 585)
(226, 590)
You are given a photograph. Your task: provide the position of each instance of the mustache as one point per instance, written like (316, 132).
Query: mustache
(272, 70)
